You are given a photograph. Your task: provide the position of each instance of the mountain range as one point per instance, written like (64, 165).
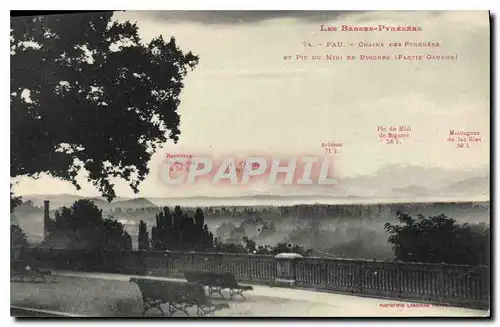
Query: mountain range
(392, 183)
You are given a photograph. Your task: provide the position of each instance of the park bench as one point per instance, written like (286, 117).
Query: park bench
(21, 270)
(217, 282)
(178, 295)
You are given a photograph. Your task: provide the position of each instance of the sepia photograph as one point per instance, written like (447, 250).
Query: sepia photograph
(174, 164)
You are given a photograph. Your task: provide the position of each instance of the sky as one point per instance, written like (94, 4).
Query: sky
(243, 97)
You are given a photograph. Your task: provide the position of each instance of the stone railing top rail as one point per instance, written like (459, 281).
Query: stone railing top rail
(288, 256)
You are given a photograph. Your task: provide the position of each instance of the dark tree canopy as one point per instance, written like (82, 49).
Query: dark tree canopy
(18, 237)
(99, 98)
(143, 237)
(176, 230)
(82, 227)
(438, 239)
(18, 242)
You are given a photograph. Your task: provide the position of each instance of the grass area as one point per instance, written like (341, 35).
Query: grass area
(101, 298)
(83, 296)
(114, 298)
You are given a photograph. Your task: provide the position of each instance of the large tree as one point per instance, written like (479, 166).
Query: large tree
(18, 242)
(18, 237)
(87, 92)
(143, 237)
(82, 227)
(438, 239)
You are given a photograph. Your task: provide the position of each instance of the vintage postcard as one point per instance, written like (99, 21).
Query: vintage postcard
(250, 164)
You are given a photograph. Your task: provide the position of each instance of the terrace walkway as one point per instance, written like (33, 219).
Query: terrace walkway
(103, 294)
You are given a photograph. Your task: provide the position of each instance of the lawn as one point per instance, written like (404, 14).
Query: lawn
(111, 298)
(83, 296)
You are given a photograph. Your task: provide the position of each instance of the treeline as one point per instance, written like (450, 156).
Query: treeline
(360, 211)
(177, 230)
(432, 239)
(340, 210)
(119, 210)
(307, 211)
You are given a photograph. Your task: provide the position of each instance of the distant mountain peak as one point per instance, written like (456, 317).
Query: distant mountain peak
(135, 202)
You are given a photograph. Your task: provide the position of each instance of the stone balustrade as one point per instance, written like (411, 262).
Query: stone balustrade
(432, 283)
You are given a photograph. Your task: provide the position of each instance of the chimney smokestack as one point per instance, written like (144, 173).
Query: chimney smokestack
(46, 218)
(46, 207)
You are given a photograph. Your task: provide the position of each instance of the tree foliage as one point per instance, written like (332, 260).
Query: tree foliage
(143, 237)
(249, 246)
(18, 242)
(178, 231)
(15, 201)
(83, 227)
(18, 238)
(438, 239)
(87, 92)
